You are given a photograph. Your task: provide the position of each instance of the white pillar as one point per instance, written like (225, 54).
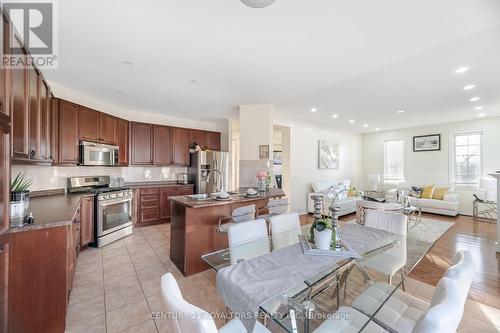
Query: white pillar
(256, 129)
(497, 176)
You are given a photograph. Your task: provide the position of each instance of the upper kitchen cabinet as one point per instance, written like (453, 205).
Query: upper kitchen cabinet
(34, 115)
(198, 136)
(19, 108)
(88, 124)
(141, 144)
(45, 118)
(163, 145)
(68, 132)
(107, 128)
(213, 140)
(122, 141)
(96, 126)
(181, 145)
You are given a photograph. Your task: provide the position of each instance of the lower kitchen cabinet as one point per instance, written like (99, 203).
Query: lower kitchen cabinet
(152, 203)
(87, 220)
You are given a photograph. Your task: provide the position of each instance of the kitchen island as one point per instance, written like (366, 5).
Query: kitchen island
(193, 226)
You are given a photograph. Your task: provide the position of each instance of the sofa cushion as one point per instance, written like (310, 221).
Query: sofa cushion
(427, 191)
(440, 192)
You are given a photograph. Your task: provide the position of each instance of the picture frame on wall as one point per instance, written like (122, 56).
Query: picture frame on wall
(264, 152)
(430, 142)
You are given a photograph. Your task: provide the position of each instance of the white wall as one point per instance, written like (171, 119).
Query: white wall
(433, 167)
(304, 159)
(256, 128)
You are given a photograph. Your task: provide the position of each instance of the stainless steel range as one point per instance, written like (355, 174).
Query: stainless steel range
(112, 207)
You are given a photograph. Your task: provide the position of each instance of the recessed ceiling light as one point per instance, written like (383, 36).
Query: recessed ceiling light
(352, 121)
(377, 129)
(461, 70)
(469, 87)
(193, 81)
(400, 111)
(365, 125)
(128, 62)
(335, 116)
(481, 115)
(477, 108)
(258, 3)
(118, 92)
(314, 109)
(475, 99)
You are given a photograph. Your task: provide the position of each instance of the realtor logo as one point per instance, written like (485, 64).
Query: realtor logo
(34, 24)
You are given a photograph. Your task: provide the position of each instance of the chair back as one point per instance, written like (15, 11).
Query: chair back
(277, 206)
(247, 240)
(184, 317)
(446, 310)
(363, 206)
(285, 229)
(462, 272)
(388, 221)
(243, 214)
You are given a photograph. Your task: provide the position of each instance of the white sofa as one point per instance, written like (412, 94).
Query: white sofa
(346, 204)
(448, 206)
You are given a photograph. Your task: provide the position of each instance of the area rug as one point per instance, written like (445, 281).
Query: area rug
(428, 230)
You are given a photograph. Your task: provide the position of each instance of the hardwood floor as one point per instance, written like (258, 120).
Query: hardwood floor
(477, 237)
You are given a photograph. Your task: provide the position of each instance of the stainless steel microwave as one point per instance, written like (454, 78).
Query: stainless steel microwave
(93, 153)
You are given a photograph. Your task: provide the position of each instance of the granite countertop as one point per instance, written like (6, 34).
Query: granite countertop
(154, 184)
(192, 203)
(50, 211)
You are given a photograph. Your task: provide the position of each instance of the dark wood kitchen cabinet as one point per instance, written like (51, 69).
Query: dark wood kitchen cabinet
(87, 221)
(198, 136)
(122, 141)
(68, 132)
(141, 144)
(96, 126)
(34, 115)
(88, 124)
(45, 121)
(163, 145)
(153, 205)
(19, 107)
(181, 146)
(213, 140)
(38, 278)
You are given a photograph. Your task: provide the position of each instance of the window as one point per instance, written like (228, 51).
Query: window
(394, 157)
(467, 159)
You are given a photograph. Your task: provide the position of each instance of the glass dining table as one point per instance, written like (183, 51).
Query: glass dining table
(306, 305)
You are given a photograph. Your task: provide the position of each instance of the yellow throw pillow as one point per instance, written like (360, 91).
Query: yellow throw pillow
(427, 191)
(440, 192)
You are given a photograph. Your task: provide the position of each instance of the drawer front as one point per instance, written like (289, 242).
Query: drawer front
(185, 190)
(149, 215)
(150, 190)
(150, 198)
(149, 204)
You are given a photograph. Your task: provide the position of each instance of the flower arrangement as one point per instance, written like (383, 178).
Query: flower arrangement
(262, 175)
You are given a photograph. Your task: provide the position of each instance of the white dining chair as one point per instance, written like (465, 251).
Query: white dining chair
(347, 320)
(394, 259)
(402, 311)
(240, 214)
(188, 318)
(285, 229)
(247, 240)
(274, 207)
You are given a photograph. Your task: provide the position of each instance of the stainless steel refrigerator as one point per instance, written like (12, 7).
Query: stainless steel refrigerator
(209, 171)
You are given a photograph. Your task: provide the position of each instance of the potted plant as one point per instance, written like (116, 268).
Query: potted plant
(262, 177)
(19, 199)
(322, 233)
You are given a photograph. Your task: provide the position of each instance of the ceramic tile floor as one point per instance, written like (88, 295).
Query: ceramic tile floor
(117, 289)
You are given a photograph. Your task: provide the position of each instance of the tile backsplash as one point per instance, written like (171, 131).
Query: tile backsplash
(52, 177)
(249, 169)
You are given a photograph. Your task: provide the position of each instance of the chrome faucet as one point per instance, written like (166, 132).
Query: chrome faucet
(221, 179)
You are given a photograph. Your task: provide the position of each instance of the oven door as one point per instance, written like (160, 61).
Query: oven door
(113, 215)
(99, 155)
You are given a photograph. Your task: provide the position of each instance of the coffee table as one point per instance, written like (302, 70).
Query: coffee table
(414, 215)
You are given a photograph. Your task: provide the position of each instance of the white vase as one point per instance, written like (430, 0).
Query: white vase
(322, 239)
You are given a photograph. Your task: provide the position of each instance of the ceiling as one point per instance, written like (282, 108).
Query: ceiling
(361, 60)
